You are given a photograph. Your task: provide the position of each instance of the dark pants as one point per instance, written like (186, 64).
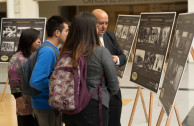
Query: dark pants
(115, 108)
(27, 120)
(88, 117)
(48, 117)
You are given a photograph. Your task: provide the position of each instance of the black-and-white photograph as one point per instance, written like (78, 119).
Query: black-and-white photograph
(139, 58)
(131, 32)
(153, 38)
(165, 34)
(119, 29)
(7, 46)
(9, 32)
(149, 60)
(143, 34)
(173, 71)
(184, 36)
(178, 76)
(125, 32)
(182, 42)
(177, 38)
(158, 62)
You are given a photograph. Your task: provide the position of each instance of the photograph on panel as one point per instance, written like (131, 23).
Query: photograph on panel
(154, 36)
(149, 60)
(172, 73)
(119, 29)
(177, 38)
(7, 46)
(139, 58)
(178, 77)
(158, 62)
(9, 32)
(125, 32)
(143, 34)
(131, 32)
(170, 60)
(184, 36)
(165, 34)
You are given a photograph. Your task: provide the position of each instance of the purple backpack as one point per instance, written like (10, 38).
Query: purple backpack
(67, 86)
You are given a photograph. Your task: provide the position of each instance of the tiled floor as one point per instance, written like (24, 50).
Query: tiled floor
(184, 98)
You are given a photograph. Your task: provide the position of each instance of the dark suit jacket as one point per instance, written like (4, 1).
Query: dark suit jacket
(111, 44)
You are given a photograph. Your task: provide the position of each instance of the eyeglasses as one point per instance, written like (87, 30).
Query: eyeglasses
(101, 23)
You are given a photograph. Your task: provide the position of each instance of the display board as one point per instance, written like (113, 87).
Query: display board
(181, 45)
(125, 32)
(154, 34)
(11, 29)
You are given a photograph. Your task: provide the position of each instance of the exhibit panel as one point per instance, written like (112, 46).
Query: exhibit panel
(154, 34)
(125, 32)
(11, 29)
(181, 45)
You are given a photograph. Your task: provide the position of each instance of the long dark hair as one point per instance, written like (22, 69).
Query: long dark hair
(27, 37)
(82, 38)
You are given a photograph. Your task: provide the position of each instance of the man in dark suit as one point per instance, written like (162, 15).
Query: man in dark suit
(108, 40)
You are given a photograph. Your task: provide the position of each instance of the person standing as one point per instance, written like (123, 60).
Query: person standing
(29, 40)
(57, 31)
(83, 41)
(108, 40)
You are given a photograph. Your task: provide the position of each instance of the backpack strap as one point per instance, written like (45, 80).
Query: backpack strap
(100, 98)
(54, 49)
(37, 50)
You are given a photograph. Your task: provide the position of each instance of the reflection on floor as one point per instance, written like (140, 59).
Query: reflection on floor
(126, 101)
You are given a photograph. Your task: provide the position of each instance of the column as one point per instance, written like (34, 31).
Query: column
(10, 8)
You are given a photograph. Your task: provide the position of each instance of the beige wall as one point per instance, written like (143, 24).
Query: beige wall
(110, 2)
(135, 9)
(3, 6)
(22, 8)
(48, 9)
(29, 9)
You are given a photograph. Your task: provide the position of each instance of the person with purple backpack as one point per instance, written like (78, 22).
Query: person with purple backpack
(82, 40)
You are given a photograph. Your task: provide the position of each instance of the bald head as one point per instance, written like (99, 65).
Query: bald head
(102, 18)
(99, 13)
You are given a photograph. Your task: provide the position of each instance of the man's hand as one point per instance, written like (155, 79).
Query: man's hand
(115, 59)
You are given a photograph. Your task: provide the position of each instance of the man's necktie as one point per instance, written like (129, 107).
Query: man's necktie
(100, 42)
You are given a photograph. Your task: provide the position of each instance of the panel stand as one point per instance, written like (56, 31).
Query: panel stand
(139, 92)
(173, 108)
(7, 81)
(170, 117)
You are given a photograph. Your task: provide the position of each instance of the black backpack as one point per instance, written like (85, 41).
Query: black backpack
(26, 71)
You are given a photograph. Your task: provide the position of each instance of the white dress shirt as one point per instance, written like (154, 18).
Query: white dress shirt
(102, 42)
